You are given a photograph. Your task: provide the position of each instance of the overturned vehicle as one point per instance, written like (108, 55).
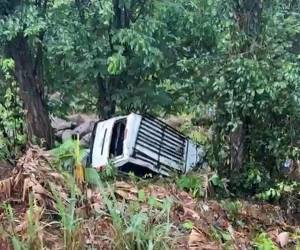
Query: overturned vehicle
(143, 143)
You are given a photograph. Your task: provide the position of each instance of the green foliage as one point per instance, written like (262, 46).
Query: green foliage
(116, 64)
(16, 241)
(232, 208)
(248, 80)
(126, 57)
(135, 229)
(34, 240)
(263, 242)
(296, 238)
(25, 19)
(252, 179)
(91, 176)
(220, 235)
(188, 225)
(220, 185)
(109, 172)
(196, 133)
(68, 154)
(192, 183)
(276, 192)
(142, 235)
(12, 135)
(70, 224)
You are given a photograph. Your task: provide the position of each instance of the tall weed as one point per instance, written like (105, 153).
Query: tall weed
(138, 230)
(70, 224)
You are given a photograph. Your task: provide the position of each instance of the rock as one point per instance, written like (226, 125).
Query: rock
(85, 140)
(283, 239)
(84, 128)
(61, 124)
(67, 134)
(67, 129)
(81, 118)
(58, 135)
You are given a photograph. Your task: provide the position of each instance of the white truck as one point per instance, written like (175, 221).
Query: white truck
(139, 143)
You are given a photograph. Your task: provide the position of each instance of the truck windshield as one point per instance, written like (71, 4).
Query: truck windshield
(117, 138)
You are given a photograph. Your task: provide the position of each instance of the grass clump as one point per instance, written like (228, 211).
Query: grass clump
(70, 224)
(133, 228)
(193, 184)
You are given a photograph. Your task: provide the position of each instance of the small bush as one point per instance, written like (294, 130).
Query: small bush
(232, 208)
(263, 242)
(192, 184)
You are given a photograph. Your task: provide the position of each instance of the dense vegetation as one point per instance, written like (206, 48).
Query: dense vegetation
(229, 68)
(232, 65)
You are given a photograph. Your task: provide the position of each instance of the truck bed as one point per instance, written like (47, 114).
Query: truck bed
(160, 145)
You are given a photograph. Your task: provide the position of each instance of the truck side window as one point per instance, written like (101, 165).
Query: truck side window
(117, 138)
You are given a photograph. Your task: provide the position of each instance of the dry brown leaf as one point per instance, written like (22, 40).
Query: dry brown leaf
(82, 212)
(39, 189)
(6, 187)
(40, 199)
(57, 176)
(89, 194)
(126, 190)
(190, 214)
(40, 193)
(96, 197)
(4, 244)
(124, 185)
(158, 192)
(186, 199)
(27, 184)
(196, 236)
(35, 217)
(126, 195)
(17, 179)
(100, 233)
(198, 240)
(35, 174)
(52, 240)
(98, 207)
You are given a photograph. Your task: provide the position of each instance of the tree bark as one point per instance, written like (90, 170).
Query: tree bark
(106, 106)
(31, 91)
(237, 147)
(107, 84)
(248, 13)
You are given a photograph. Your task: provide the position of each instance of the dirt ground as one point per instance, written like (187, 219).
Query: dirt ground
(5, 169)
(196, 223)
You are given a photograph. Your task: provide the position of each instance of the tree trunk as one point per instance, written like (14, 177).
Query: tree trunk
(106, 85)
(237, 147)
(31, 91)
(106, 106)
(248, 13)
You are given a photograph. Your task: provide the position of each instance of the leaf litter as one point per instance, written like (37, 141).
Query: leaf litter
(210, 226)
